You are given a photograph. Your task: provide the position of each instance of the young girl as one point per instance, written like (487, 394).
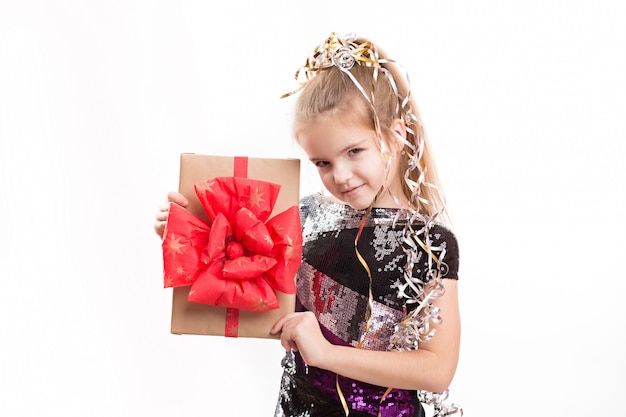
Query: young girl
(376, 330)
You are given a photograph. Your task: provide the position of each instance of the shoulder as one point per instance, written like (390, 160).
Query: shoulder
(316, 205)
(445, 243)
(309, 204)
(310, 200)
(445, 236)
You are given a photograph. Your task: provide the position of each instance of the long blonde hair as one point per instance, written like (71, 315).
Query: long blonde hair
(332, 89)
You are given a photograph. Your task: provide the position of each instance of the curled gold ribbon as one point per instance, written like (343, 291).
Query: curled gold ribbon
(341, 52)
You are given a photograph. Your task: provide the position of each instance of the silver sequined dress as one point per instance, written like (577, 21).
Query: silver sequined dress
(334, 285)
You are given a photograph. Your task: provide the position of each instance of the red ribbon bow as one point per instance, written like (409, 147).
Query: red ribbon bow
(240, 259)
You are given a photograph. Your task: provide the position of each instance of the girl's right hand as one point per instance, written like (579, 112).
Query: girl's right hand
(164, 210)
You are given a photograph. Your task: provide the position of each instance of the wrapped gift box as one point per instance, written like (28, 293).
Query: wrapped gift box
(203, 319)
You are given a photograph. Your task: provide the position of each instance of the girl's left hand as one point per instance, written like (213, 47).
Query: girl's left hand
(301, 332)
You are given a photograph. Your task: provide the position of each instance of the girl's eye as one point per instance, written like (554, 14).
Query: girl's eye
(355, 151)
(321, 164)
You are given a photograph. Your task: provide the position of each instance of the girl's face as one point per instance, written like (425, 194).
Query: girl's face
(349, 162)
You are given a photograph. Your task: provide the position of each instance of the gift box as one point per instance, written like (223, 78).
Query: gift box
(238, 285)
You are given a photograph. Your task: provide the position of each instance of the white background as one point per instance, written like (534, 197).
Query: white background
(524, 102)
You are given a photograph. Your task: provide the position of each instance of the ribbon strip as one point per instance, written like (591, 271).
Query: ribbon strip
(240, 169)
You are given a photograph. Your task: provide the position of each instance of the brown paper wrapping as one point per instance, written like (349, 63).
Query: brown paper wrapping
(201, 319)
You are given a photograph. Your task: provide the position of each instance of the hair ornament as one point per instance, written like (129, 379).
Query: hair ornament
(339, 52)
(342, 58)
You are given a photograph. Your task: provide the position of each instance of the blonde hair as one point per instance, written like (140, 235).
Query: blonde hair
(333, 90)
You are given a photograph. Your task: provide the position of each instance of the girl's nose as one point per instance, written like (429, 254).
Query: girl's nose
(342, 174)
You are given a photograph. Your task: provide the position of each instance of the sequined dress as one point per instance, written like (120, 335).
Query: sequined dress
(334, 285)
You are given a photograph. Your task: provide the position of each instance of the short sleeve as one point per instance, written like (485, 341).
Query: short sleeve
(445, 238)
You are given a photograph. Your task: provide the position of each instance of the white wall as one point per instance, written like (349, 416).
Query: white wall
(524, 103)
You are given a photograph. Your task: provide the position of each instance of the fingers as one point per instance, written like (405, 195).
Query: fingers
(159, 228)
(164, 210)
(178, 198)
(161, 219)
(292, 326)
(285, 339)
(278, 326)
(289, 345)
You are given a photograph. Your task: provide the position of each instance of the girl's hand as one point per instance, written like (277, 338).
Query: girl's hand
(301, 332)
(164, 210)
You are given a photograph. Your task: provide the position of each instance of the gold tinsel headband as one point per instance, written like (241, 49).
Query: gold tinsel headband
(338, 52)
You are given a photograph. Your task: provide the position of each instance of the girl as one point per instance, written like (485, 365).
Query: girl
(378, 277)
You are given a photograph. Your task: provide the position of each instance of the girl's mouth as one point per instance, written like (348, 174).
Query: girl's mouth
(351, 191)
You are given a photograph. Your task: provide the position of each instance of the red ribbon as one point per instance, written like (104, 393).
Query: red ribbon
(240, 259)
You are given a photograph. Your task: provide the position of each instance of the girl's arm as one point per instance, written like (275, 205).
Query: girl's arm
(429, 368)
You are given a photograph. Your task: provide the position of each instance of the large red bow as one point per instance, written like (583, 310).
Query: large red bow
(238, 260)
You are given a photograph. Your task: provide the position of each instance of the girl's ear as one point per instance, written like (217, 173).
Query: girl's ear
(398, 129)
